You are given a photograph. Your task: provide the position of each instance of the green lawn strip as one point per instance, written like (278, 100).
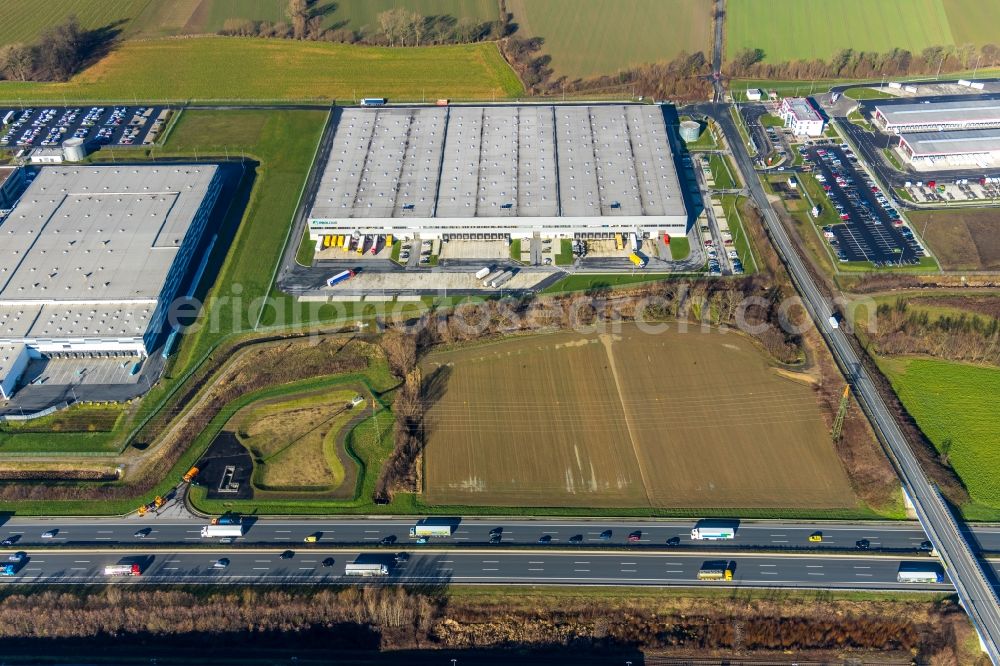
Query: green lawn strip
(890, 155)
(212, 68)
(27, 444)
(565, 256)
(738, 120)
(306, 251)
(904, 194)
(397, 246)
(827, 213)
(742, 242)
(954, 405)
(680, 248)
(515, 249)
(771, 120)
(862, 92)
(721, 172)
(581, 282)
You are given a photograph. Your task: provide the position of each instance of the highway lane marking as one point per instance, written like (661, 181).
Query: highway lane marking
(536, 569)
(491, 570)
(102, 538)
(863, 574)
(862, 567)
(582, 570)
(105, 531)
(307, 568)
(170, 568)
(675, 571)
(628, 570)
(814, 566)
(491, 561)
(768, 565)
(261, 568)
(769, 573)
(812, 573)
(536, 562)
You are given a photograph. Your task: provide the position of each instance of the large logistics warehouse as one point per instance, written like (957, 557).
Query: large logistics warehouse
(499, 172)
(92, 256)
(952, 148)
(920, 117)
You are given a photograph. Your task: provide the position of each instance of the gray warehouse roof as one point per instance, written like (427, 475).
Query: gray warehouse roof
(955, 142)
(961, 112)
(98, 233)
(502, 161)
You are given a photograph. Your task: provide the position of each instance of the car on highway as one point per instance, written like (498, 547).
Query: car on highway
(221, 563)
(10, 541)
(287, 555)
(422, 540)
(495, 539)
(402, 557)
(674, 541)
(576, 538)
(17, 557)
(816, 537)
(496, 530)
(225, 540)
(863, 544)
(606, 535)
(312, 538)
(926, 546)
(328, 562)
(50, 534)
(634, 537)
(387, 540)
(545, 538)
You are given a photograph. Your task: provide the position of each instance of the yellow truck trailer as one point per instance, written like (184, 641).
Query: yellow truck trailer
(637, 260)
(712, 573)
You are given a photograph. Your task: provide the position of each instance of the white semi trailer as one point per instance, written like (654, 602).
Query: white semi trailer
(210, 531)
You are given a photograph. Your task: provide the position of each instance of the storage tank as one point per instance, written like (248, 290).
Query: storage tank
(74, 150)
(690, 130)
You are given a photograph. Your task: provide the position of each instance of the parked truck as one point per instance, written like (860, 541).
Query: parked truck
(489, 277)
(366, 570)
(342, 276)
(482, 272)
(637, 260)
(426, 528)
(713, 533)
(501, 279)
(122, 570)
(213, 531)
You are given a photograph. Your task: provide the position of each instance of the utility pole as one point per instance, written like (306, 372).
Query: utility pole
(838, 424)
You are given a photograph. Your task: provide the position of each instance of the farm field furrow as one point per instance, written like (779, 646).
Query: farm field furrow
(596, 37)
(632, 419)
(21, 21)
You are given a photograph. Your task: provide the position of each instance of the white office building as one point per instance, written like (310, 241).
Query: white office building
(801, 117)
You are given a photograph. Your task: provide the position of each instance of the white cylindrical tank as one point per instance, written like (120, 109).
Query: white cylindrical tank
(690, 130)
(74, 150)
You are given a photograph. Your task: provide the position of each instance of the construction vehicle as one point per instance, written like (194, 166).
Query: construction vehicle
(191, 473)
(152, 506)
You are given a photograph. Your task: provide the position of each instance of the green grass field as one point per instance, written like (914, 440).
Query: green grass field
(792, 29)
(591, 37)
(955, 406)
(23, 20)
(213, 68)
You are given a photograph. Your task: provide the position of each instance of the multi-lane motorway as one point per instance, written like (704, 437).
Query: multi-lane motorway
(478, 566)
(770, 535)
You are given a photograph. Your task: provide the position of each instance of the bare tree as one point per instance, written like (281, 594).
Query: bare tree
(17, 62)
(400, 350)
(298, 14)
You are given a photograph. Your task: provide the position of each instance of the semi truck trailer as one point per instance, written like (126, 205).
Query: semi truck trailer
(429, 529)
(921, 575)
(360, 569)
(715, 573)
(713, 533)
(212, 531)
(501, 279)
(122, 570)
(342, 276)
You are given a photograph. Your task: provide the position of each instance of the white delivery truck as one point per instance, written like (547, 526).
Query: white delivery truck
(713, 533)
(482, 272)
(920, 575)
(210, 531)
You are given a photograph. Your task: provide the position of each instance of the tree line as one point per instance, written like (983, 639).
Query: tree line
(58, 53)
(394, 27)
(854, 64)
(962, 337)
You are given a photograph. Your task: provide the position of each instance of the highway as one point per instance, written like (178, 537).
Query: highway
(772, 535)
(974, 588)
(441, 566)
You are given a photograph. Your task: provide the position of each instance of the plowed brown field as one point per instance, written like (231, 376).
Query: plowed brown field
(634, 419)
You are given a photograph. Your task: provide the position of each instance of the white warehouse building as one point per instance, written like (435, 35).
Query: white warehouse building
(499, 171)
(92, 256)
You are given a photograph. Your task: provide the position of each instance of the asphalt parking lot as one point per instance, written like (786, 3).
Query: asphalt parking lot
(83, 371)
(872, 229)
(32, 127)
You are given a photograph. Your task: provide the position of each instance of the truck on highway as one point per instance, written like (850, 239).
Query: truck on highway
(8, 569)
(122, 570)
(501, 279)
(715, 571)
(713, 533)
(834, 322)
(637, 260)
(212, 531)
(339, 277)
(364, 569)
(920, 575)
(428, 528)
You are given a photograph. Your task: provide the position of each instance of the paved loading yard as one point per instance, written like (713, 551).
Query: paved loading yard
(50, 126)
(83, 370)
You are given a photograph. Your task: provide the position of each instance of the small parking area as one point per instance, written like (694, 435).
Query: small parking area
(374, 286)
(82, 371)
(475, 249)
(871, 228)
(31, 127)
